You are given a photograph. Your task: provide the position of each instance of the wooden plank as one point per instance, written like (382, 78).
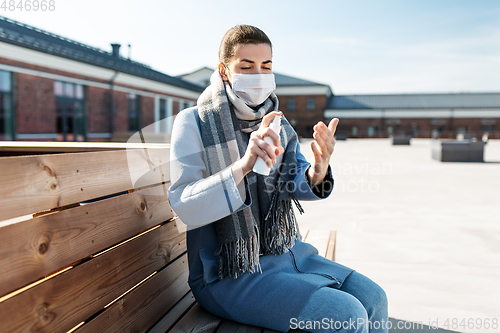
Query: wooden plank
(35, 248)
(144, 306)
(319, 239)
(172, 316)
(72, 147)
(62, 302)
(332, 242)
(229, 326)
(304, 234)
(197, 319)
(35, 183)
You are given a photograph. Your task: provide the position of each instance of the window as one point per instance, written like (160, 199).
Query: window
(70, 111)
(162, 115)
(163, 109)
(6, 109)
(371, 131)
(354, 131)
(291, 104)
(134, 114)
(311, 104)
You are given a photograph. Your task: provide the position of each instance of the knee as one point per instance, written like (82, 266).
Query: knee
(377, 298)
(371, 295)
(355, 318)
(350, 317)
(334, 311)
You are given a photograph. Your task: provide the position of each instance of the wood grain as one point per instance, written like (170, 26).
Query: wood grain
(60, 303)
(35, 248)
(197, 320)
(304, 234)
(168, 320)
(35, 183)
(44, 147)
(140, 309)
(332, 242)
(229, 326)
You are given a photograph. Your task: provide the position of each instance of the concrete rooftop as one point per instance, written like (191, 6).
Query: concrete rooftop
(427, 231)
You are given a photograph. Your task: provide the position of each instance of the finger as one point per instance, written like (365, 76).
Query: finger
(272, 134)
(327, 138)
(268, 118)
(323, 148)
(324, 132)
(257, 151)
(316, 153)
(333, 125)
(280, 150)
(270, 150)
(321, 127)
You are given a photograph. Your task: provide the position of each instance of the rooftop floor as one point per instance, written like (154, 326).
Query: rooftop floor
(427, 231)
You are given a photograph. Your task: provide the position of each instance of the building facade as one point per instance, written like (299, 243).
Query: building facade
(53, 88)
(418, 115)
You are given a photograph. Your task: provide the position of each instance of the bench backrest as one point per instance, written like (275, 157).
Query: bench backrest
(88, 242)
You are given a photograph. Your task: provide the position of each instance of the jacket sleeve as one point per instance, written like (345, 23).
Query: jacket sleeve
(197, 199)
(303, 190)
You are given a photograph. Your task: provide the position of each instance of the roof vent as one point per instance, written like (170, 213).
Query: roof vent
(116, 50)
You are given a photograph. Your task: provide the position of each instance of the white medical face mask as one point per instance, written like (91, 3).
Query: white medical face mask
(253, 89)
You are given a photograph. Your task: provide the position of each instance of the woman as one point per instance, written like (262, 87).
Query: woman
(246, 260)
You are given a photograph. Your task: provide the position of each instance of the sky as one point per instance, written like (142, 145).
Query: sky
(356, 47)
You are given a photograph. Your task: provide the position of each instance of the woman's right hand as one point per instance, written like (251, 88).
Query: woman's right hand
(257, 147)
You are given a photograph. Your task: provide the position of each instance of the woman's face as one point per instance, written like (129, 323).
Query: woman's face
(249, 59)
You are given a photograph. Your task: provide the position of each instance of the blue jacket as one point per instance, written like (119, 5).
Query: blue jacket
(269, 298)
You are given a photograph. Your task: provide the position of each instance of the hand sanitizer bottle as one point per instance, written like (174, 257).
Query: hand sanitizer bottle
(260, 165)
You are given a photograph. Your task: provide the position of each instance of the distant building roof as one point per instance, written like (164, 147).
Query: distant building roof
(415, 101)
(290, 81)
(201, 75)
(21, 34)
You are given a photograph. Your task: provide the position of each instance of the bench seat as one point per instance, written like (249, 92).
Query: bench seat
(188, 316)
(89, 243)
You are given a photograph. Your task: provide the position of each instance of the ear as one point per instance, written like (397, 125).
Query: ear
(222, 72)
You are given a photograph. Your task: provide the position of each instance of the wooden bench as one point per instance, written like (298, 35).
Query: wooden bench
(149, 137)
(89, 243)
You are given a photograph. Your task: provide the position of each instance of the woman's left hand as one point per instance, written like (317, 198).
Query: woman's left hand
(322, 149)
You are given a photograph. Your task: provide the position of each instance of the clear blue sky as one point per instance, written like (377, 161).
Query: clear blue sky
(357, 47)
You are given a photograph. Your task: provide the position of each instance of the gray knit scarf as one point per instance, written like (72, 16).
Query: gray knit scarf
(268, 226)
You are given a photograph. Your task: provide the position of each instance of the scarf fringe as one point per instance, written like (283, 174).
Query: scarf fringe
(239, 256)
(280, 224)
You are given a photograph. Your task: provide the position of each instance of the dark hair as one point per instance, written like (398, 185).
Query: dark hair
(240, 34)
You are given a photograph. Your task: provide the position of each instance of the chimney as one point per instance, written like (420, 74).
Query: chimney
(116, 50)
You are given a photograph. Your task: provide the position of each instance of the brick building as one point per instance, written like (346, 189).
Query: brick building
(416, 114)
(305, 103)
(54, 88)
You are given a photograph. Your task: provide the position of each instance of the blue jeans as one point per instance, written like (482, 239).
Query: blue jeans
(359, 306)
